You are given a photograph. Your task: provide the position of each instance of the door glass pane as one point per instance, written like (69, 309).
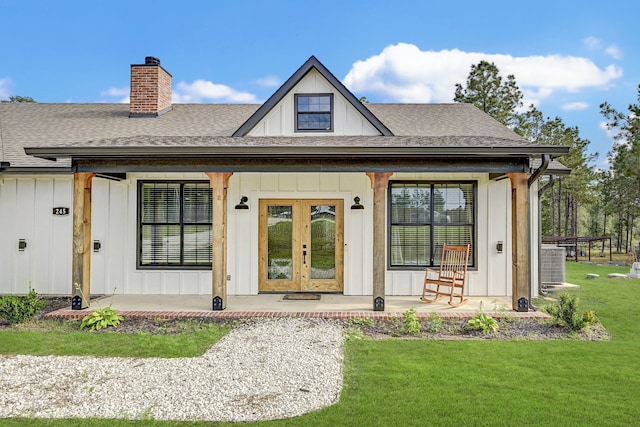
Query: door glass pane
(279, 243)
(323, 242)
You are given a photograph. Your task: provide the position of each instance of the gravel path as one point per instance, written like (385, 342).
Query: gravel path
(265, 369)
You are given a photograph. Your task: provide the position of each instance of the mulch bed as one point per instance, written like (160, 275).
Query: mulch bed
(450, 329)
(456, 329)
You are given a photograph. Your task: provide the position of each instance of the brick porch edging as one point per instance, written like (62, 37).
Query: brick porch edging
(66, 313)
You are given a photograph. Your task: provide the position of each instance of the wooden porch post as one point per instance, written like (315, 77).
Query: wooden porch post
(379, 183)
(81, 259)
(520, 240)
(218, 182)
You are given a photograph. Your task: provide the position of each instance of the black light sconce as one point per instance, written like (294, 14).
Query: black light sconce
(499, 246)
(242, 204)
(356, 205)
(22, 245)
(96, 246)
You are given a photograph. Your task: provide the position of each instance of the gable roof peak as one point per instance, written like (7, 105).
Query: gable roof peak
(278, 95)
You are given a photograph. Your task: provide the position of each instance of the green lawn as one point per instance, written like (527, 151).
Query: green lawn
(493, 383)
(61, 340)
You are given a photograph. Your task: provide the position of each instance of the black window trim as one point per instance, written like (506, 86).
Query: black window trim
(295, 112)
(139, 265)
(473, 266)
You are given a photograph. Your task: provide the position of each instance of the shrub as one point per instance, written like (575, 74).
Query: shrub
(435, 323)
(410, 323)
(565, 313)
(19, 309)
(101, 318)
(482, 322)
(590, 317)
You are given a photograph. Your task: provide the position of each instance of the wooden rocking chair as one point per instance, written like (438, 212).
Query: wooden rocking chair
(450, 279)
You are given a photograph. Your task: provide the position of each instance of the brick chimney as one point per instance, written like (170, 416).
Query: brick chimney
(150, 89)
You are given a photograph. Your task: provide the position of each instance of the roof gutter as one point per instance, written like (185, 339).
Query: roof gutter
(546, 159)
(280, 152)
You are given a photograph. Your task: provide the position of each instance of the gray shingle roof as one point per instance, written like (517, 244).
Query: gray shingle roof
(440, 120)
(211, 125)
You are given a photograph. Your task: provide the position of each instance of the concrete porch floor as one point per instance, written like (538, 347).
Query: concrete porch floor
(274, 305)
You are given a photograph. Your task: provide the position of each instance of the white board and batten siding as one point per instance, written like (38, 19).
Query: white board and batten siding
(346, 119)
(26, 212)
(492, 274)
(26, 204)
(114, 223)
(243, 224)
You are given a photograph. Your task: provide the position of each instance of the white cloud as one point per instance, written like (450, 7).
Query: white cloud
(197, 92)
(592, 43)
(613, 51)
(201, 90)
(574, 106)
(404, 73)
(121, 93)
(5, 88)
(269, 81)
(610, 132)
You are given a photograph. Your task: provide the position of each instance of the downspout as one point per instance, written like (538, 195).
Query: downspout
(546, 159)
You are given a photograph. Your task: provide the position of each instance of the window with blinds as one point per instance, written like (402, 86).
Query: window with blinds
(424, 216)
(174, 224)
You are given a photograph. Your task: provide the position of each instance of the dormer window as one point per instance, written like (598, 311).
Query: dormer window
(314, 113)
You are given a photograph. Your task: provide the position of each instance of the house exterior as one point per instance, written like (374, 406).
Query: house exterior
(312, 191)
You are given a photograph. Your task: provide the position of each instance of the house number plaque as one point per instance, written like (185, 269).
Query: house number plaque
(61, 211)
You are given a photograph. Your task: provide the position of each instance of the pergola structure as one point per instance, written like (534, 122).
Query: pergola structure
(574, 240)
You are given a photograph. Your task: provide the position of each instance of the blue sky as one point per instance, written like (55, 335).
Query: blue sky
(567, 56)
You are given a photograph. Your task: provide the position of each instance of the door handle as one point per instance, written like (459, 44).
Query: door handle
(304, 257)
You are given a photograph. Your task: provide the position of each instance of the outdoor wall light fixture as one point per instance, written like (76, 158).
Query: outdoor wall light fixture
(22, 245)
(499, 246)
(356, 205)
(96, 246)
(242, 204)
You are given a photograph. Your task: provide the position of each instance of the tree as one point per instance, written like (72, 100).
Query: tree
(500, 99)
(624, 159)
(564, 195)
(486, 90)
(18, 98)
